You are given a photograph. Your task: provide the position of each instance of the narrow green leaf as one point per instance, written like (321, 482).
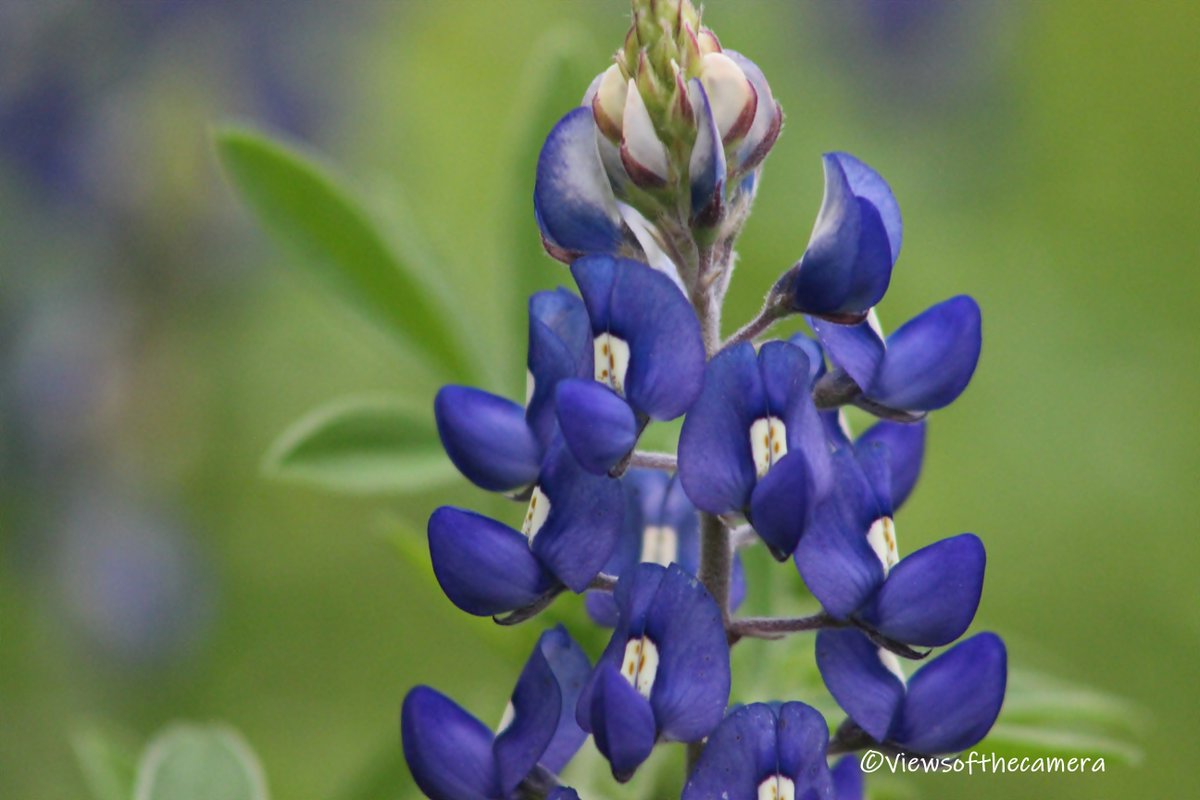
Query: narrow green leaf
(199, 762)
(108, 765)
(364, 445)
(303, 205)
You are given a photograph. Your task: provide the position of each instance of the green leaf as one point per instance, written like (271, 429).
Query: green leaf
(303, 205)
(108, 765)
(199, 762)
(365, 445)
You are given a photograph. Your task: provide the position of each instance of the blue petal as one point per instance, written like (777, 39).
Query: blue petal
(487, 438)
(560, 347)
(601, 608)
(837, 564)
(563, 793)
(848, 779)
(571, 669)
(448, 751)
(648, 311)
(906, 451)
(930, 597)
(779, 505)
(483, 566)
(869, 185)
(857, 349)
(814, 354)
(537, 703)
(931, 358)
(572, 198)
(584, 523)
(691, 687)
(738, 756)
(954, 700)
(859, 682)
(715, 461)
(803, 738)
(622, 722)
(597, 425)
(785, 373)
(706, 169)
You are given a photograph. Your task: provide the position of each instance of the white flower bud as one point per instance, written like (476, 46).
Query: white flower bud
(730, 93)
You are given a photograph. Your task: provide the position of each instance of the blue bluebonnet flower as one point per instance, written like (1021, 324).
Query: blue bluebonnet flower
(665, 672)
(925, 365)
(848, 779)
(661, 527)
(495, 443)
(948, 705)
(754, 444)
(570, 529)
(454, 756)
(647, 355)
(764, 751)
(850, 563)
(855, 242)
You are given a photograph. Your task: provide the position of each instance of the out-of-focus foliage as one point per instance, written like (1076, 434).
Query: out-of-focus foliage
(155, 346)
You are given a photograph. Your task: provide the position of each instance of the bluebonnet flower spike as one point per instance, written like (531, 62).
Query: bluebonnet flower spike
(571, 527)
(648, 359)
(665, 672)
(849, 561)
(763, 751)
(495, 443)
(855, 242)
(454, 756)
(753, 442)
(949, 705)
(661, 527)
(925, 365)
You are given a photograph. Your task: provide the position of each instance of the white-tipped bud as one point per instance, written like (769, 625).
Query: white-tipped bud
(642, 152)
(708, 42)
(608, 104)
(730, 94)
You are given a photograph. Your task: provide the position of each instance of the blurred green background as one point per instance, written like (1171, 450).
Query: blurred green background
(154, 344)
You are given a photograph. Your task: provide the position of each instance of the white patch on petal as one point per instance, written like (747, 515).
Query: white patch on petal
(729, 92)
(892, 664)
(640, 665)
(530, 387)
(647, 237)
(506, 719)
(639, 138)
(873, 321)
(611, 359)
(768, 443)
(535, 515)
(844, 423)
(660, 545)
(777, 787)
(882, 538)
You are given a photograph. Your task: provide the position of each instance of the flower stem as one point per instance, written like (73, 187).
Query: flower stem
(648, 460)
(778, 627)
(772, 311)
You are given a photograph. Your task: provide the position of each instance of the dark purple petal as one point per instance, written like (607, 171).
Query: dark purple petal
(560, 347)
(954, 700)
(487, 438)
(803, 737)
(930, 597)
(785, 372)
(601, 608)
(598, 426)
(706, 169)
(716, 465)
(848, 779)
(563, 793)
(691, 686)
(869, 185)
(739, 755)
(572, 198)
(837, 564)
(646, 310)
(873, 460)
(856, 677)
(448, 751)
(584, 523)
(906, 451)
(857, 349)
(565, 316)
(931, 358)
(537, 703)
(779, 505)
(621, 721)
(571, 669)
(483, 566)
